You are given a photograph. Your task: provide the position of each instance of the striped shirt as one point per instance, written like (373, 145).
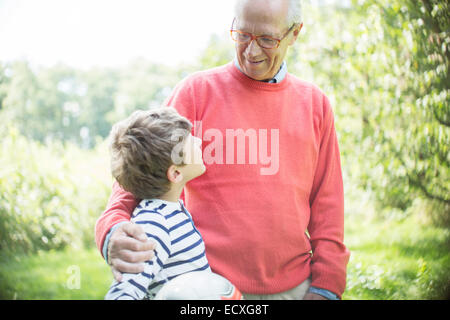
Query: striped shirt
(179, 249)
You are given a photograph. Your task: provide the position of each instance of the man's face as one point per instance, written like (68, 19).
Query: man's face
(263, 18)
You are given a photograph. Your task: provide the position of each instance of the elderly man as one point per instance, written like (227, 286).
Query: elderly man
(273, 229)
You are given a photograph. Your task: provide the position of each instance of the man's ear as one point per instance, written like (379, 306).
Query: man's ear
(174, 175)
(296, 32)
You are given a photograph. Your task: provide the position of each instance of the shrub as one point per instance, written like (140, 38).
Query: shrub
(50, 196)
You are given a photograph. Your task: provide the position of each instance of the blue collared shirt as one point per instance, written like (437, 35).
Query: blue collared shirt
(277, 78)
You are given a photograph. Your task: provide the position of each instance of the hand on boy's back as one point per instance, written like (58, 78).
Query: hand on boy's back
(128, 249)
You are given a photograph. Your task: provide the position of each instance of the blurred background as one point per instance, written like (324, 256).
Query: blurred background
(70, 69)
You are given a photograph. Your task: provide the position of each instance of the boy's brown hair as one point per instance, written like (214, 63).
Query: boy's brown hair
(141, 150)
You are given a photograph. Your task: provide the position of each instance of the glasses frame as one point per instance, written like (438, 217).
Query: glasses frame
(254, 37)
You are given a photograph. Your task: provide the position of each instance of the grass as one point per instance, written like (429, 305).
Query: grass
(390, 259)
(71, 274)
(397, 259)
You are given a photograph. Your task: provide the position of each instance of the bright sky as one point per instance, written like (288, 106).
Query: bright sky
(84, 33)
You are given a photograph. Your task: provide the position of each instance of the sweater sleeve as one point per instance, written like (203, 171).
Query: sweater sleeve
(326, 225)
(119, 209)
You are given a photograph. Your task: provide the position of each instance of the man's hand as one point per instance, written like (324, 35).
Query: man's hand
(128, 249)
(313, 296)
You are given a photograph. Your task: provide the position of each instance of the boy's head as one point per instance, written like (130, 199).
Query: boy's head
(152, 150)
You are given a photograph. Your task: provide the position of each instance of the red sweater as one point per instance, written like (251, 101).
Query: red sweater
(257, 199)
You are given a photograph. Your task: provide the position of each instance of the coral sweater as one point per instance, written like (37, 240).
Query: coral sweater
(273, 175)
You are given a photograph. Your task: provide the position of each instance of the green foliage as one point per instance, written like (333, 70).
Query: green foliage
(220, 51)
(49, 196)
(416, 129)
(385, 67)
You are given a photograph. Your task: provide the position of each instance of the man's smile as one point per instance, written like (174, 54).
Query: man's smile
(255, 62)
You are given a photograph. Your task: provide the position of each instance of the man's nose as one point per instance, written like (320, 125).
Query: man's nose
(253, 48)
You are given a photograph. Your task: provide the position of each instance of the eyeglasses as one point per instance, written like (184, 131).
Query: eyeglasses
(265, 42)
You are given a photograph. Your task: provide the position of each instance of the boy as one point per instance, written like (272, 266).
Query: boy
(153, 155)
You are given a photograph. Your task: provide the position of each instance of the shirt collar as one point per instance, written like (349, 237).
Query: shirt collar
(277, 78)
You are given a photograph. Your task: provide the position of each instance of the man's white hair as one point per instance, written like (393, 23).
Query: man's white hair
(294, 15)
(295, 12)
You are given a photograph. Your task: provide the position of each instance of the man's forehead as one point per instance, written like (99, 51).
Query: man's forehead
(259, 27)
(261, 16)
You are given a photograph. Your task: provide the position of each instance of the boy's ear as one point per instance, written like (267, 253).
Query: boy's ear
(174, 175)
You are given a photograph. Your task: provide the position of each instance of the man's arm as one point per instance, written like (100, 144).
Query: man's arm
(135, 286)
(119, 208)
(326, 226)
(126, 247)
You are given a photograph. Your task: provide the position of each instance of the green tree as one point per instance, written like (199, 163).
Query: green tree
(141, 85)
(96, 90)
(219, 51)
(63, 104)
(385, 66)
(40, 102)
(413, 131)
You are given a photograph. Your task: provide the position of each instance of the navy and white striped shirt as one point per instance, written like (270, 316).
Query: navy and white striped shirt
(179, 249)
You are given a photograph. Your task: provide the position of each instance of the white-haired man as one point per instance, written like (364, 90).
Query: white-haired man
(276, 233)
